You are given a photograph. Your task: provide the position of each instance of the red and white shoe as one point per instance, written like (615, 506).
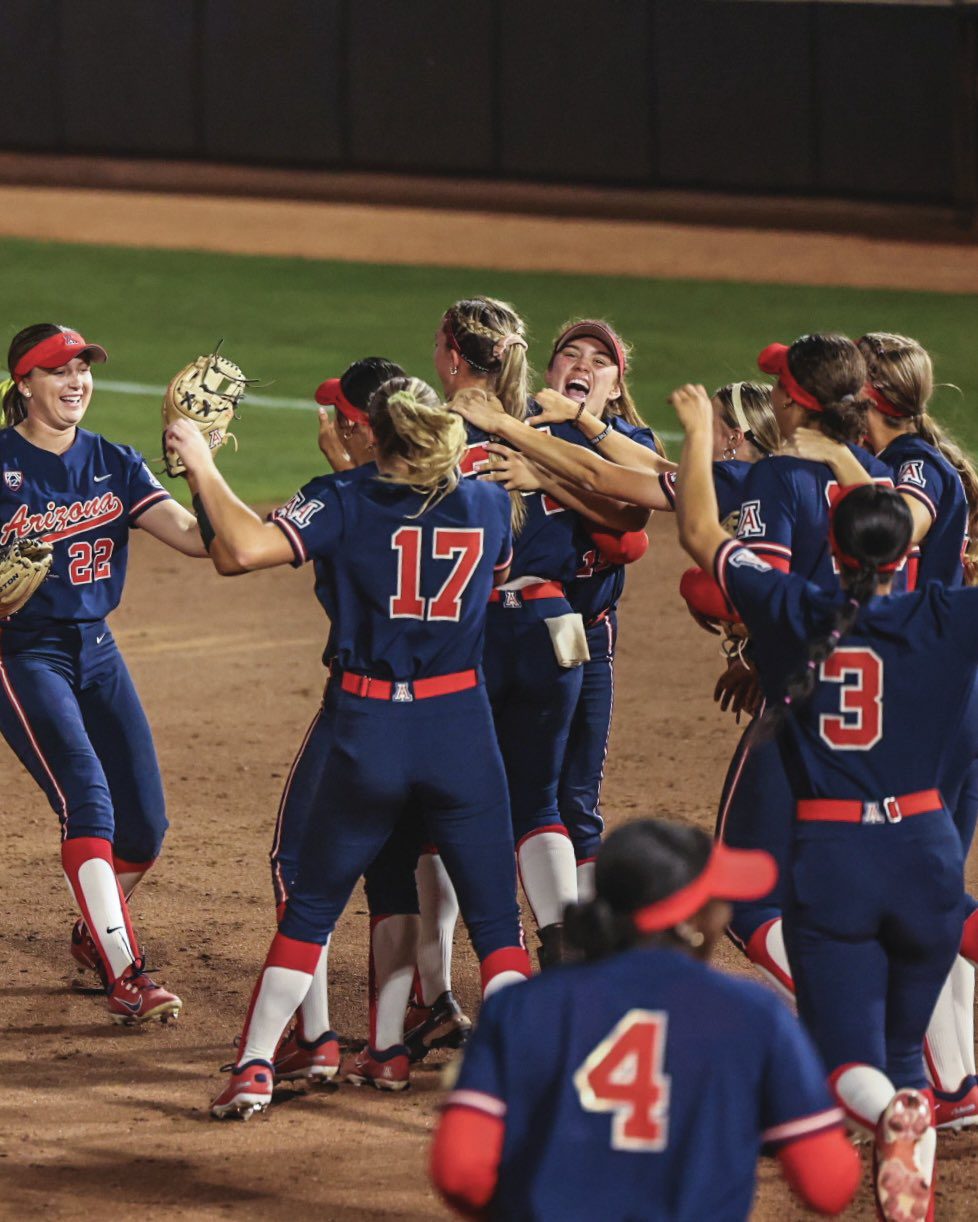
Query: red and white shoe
(957, 1114)
(766, 951)
(135, 998)
(903, 1159)
(85, 952)
(296, 1060)
(248, 1092)
(442, 1025)
(387, 1070)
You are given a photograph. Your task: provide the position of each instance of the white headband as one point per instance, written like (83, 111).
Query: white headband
(738, 408)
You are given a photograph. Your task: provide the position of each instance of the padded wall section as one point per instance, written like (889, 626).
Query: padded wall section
(420, 85)
(272, 78)
(575, 92)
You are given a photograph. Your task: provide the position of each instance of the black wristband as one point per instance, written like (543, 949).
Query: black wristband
(207, 532)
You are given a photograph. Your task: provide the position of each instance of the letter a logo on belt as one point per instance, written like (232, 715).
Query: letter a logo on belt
(402, 693)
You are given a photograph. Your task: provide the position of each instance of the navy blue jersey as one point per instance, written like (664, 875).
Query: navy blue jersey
(655, 1082)
(551, 538)
(84, 502)
(784, 514)
(598, 585)
(729, 481)
(406, 595)
(889, 699)
(921, 471)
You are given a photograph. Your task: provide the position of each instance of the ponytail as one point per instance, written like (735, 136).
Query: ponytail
(14, 407)
(596, 930)
(931, 432)
(425, 438)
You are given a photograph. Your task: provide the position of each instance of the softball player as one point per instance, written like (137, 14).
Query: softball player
(870, 934)
(659, 1079)
(406, 557)
(68, 708)
(940, 487)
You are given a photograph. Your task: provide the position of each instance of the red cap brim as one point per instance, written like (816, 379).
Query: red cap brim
(729, 874)
(58, 350)
(774, 359)
(330, 394)
(592, 328)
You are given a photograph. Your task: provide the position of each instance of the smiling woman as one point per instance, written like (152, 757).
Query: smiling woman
(68, 708)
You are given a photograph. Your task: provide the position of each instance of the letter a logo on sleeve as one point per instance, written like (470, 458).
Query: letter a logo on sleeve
(751, 524)
(913, 473)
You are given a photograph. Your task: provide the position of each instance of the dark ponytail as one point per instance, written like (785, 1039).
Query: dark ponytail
(833, 370)
(14, 403)
(872, 529)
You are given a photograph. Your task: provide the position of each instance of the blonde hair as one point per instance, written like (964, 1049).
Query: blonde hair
(755, 399)
(411, 426)
(900, 368)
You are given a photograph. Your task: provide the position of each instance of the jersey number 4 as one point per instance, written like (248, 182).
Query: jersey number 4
(90, 562)
(859, 723)
(465, 545)
(623, 1075)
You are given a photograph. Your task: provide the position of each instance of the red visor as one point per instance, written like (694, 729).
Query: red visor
(58, 350)
(881, 403)
(836, 496)
(729, 874)
(591, 328)
(774, 359)
(330, 394)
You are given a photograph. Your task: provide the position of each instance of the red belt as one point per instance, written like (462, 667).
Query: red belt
(543, 589)
(404, 691)
(884, 810)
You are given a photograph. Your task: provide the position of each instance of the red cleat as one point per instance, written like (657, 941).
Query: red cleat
(85, 952)
(296, 1060)
(387, 1070)
(903, 1158)
(249, 1091)
(135, 998)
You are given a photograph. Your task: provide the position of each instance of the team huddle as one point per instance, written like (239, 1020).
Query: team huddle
(470, 546)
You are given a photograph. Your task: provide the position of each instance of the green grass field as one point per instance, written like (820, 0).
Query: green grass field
(293, 322)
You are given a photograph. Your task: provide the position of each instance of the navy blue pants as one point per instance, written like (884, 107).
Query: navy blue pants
(579, 794)
(757, 811)
(434, 761)
(872, 923)
(70, 712)
(533, 701)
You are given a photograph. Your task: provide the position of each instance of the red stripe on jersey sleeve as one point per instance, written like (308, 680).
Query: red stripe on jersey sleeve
(141, 506)
(293, 536)
(920, 495)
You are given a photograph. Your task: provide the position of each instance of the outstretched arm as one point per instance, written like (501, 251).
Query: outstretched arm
(175, 526)
(248, 541)
(615, 446)
(697, 511)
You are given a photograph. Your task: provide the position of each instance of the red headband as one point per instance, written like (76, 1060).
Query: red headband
(836, 496)
(57, 350)
(729, 874)
(592, 328)
(330, 394)
(774, 359)
(882, 404)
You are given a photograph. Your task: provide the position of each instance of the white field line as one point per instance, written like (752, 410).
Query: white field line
(253, 400)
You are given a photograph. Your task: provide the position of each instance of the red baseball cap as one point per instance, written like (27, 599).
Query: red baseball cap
(593, 328)
(58, 349)
(729, 874)
(330, 394)
(774, 359)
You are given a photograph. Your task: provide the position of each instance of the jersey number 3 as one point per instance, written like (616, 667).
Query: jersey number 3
(447, 542)
(90, 562)
(623, 1075)
(859, 723)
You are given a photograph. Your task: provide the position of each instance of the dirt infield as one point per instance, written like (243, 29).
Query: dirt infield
(99, 1117)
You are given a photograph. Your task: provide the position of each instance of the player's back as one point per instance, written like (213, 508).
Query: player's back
(639, 1087)
(406, 591)
(920, 470)
(784, 515)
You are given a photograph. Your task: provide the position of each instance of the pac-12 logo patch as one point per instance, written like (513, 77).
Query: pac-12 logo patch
(14, 480)
(913, 473)
(751, 524)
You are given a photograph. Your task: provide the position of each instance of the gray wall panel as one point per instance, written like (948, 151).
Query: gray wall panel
(31, 75)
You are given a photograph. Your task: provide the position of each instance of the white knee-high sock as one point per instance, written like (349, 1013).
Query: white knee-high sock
(394, 943)
(279, 992)
(314, 1011)
(864, 1093)
(585, 881)
(963, 989)
(942, 1045)
(91, 879)
(438, 908)
(548, 872)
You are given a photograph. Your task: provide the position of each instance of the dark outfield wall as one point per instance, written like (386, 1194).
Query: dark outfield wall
(819, 99)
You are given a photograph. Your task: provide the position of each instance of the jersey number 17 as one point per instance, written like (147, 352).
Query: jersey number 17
(464, 545)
